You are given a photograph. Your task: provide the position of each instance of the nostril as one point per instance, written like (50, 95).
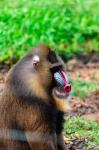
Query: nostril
(67, 87)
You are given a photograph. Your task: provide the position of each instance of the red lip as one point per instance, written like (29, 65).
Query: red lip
(67, 85)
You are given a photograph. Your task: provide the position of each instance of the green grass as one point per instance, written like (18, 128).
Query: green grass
(82, 88)
(77, 126)
(70, 27)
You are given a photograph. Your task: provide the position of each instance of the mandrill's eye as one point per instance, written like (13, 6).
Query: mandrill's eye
(56, 68)
(36, 60)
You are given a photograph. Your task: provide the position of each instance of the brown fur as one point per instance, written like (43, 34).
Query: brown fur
(26, 107)
(61, 104)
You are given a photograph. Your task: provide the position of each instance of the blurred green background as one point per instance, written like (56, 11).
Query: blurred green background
(70, 27)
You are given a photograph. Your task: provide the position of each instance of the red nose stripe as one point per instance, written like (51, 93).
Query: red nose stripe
(67, 86)
(63, 75)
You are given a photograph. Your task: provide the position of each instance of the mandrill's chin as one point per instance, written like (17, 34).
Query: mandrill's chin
(61, 102)
(60, 93)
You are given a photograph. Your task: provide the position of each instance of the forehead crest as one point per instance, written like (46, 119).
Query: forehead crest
(52, 57)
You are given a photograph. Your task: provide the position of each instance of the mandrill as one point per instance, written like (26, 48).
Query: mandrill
(33, 103)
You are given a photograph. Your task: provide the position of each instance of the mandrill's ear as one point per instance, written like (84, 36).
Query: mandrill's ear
(35, 60)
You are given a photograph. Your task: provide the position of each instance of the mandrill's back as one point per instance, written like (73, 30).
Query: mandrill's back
(10, 136)
(13, 136)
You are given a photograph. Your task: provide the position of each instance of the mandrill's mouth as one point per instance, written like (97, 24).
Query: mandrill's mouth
(63, 88)
(60, 92)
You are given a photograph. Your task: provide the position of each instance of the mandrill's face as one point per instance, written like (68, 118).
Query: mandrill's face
(42, 74)
(61, 87)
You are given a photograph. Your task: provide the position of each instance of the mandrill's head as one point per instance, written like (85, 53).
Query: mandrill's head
(41, 74)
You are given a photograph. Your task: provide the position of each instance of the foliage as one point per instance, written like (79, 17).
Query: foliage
(82, 88)
(70, 27)
(78, 126)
